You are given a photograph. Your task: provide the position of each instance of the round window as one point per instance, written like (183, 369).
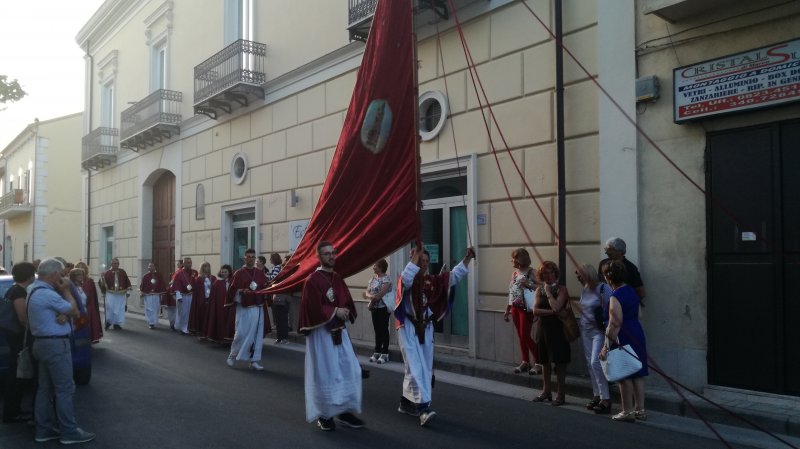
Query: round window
(433, 113)
(239, 168)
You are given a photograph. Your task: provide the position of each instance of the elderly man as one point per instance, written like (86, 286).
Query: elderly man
(51, 298)
(615, 250)
(115, 284)
(422, 299)
(333, 375)
(182, 290)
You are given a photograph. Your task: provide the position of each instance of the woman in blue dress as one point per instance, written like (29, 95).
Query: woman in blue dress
(625, 328)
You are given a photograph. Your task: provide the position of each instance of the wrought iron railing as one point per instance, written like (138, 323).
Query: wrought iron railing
(360, 10)
(242, 62)
(101, 141)
(162, 107)
(17, 197)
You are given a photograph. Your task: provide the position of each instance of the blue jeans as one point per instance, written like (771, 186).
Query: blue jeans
(55, 383)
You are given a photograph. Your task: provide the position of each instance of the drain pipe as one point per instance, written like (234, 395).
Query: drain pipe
(562, 191)
(89, 170)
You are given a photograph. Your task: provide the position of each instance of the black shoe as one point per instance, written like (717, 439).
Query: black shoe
(172, 327)
(407, 408)
(350, 420)
(117, 327)
(108, 326)
(326, 425)
(426, 417)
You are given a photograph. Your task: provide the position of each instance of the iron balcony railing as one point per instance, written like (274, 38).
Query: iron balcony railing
(360, 10)
(152, 118)
(360, 14)
(17, 197)
(242, 62)
(100, 147)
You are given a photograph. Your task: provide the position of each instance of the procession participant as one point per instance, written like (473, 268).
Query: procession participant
(198, 312)
(117, 284)
(168, 299)
(183, 290)
(92, 304)
(251, 321)
(220, 323)
(422, 298)
(152, 288)
(333, 375)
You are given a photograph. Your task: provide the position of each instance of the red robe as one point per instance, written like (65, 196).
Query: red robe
(250, 297)
(122, 277)
(169, 298)
(317, 309)
(147, 287)
(183, 282)
(198, 311)
(437, 297)
(93, 310)
(220, 320)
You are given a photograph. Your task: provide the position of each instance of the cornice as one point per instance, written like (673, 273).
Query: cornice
(104, 21)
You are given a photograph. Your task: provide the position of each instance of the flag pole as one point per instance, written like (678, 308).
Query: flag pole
(418, 156)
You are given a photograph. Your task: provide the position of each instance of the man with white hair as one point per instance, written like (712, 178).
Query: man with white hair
(615, 249)
(51, 296)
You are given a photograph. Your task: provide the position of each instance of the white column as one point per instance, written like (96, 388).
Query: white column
(618, 158)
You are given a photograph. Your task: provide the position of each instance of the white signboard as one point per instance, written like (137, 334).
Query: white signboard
(759, 78)
(297, 229)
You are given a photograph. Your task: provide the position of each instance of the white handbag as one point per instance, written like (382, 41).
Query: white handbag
(620, 363)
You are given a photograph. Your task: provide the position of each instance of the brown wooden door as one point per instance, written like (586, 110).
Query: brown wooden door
(164, 224)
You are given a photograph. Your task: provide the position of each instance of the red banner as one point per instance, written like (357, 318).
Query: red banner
(368, 205)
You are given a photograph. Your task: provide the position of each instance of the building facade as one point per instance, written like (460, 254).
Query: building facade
(210, 129)
(40, 191)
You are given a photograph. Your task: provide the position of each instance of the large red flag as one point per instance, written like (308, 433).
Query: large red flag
(368, 205)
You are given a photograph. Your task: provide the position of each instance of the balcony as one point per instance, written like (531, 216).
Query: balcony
(151, 120)
(100, 148)
(14, 203)
(232, 77)
(360, 14)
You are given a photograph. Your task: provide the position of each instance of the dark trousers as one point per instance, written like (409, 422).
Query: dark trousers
(13, 388)
(280, 313)
(380, 323)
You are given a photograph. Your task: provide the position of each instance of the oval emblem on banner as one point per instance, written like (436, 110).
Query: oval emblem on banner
(377, 126)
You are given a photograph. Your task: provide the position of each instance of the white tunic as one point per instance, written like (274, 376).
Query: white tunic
(248, 341)
(333, 376)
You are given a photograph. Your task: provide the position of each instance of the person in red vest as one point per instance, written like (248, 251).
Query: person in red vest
(220, 322)
(333, 375)
(116, 286)
(251, 321)
(152, 288)
(421, 299)
(183, 290)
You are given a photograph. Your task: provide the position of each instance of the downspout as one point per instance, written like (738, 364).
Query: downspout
(89, 170)
(562, 191)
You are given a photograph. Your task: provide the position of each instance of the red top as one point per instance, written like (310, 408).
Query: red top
(323, 293)
(122, 277)
(241, 283)
(181, 281)
(148, 287)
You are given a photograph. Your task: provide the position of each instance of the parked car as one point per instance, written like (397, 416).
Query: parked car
(81, 344)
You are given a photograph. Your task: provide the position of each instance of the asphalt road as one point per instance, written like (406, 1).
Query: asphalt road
(156, 389)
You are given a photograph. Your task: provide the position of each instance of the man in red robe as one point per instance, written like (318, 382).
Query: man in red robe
(183, 290)
(251, 321)
(333, 375)
(152, 288)
(115, 285)
(421, 299)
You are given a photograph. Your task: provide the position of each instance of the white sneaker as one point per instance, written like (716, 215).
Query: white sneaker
(384, 358)
(230, 361)
(374, 357)
(256, 366)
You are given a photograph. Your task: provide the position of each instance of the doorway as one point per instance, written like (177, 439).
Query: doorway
(754, 256)
(164, 224)
(444, 233)
(244, 235)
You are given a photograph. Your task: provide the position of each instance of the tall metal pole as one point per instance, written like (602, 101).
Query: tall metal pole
(416, 118)
(562, 191)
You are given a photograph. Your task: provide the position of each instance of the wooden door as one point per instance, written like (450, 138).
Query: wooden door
(164, 224)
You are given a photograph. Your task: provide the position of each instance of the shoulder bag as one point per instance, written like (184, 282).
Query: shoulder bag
(568, 322)
(620, 363)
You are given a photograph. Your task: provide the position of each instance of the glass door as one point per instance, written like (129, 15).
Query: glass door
(244, 236)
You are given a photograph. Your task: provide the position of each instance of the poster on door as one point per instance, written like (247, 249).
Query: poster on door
(433, 250)
(297, 229)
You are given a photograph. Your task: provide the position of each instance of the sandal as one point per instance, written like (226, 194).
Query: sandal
(524, 366)
(640, 415)
(536, 369)
(602, 407)
(543, 397)
(558, 402)
(591, 404)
